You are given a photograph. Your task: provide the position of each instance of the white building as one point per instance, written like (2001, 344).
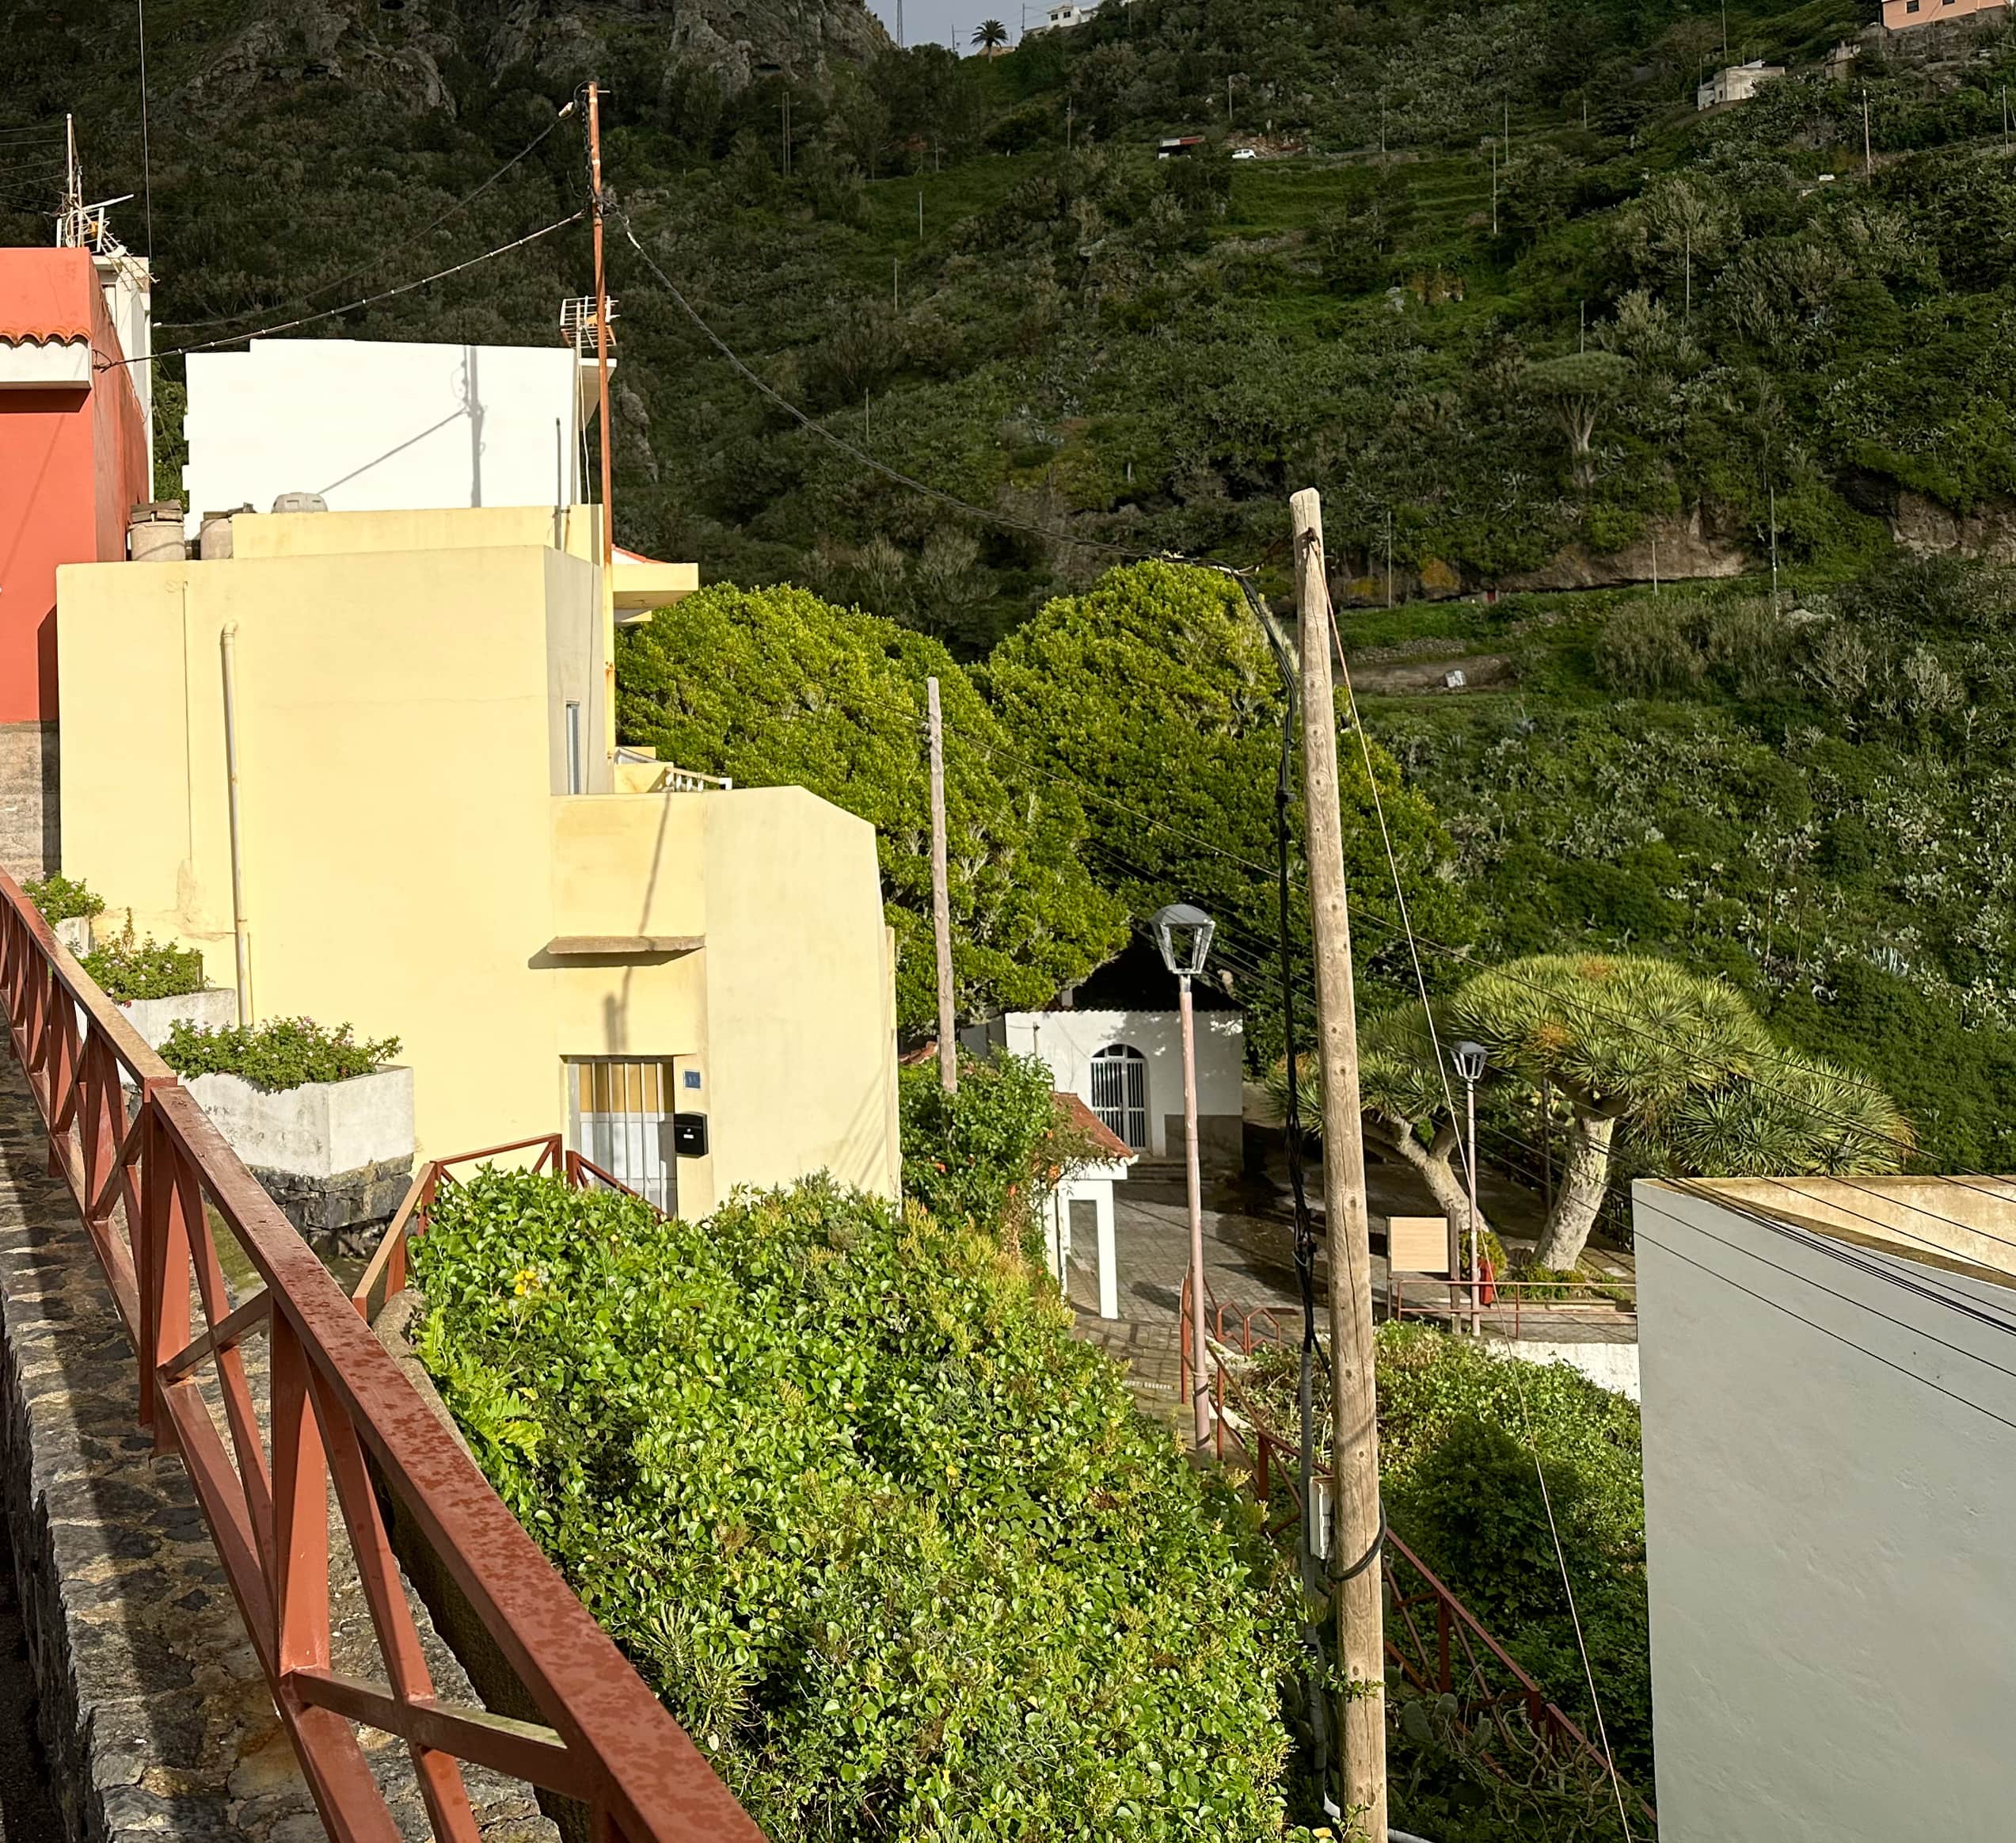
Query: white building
(1089, 1191)
(1115, 1042)
(1737, 84)
(380, 425)
(1830, 1475)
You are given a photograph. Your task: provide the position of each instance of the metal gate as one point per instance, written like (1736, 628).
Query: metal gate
(623, 1122)
(1120, 1093)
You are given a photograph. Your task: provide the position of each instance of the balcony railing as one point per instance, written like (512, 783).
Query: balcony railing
(154, 1183)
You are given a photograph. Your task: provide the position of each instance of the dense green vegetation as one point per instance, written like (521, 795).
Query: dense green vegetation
(1503, 290)
(1465, 1438)
(1810, 805)
(898, 1551)
(282, 1053)
(777, 687)
(989, 1154)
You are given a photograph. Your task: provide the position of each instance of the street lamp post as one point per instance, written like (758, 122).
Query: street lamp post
(1470, 1065)
(1184, 935)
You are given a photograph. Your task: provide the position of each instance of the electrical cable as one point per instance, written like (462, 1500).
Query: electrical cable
(147, 144)
(1762, 1299)
(384, 256)
(1404, 927)
(349, 307)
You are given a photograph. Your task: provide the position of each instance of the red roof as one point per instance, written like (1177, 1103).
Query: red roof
(46, 295)
(1102, 1136)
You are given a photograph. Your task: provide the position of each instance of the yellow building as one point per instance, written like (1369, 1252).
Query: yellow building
(436, 843)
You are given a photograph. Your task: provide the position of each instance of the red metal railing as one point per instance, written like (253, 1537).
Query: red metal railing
(1511, 1306)
(384, 1277)
(154, 1181)
(1437, 1642)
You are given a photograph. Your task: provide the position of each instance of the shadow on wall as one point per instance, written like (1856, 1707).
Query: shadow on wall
(471, 408)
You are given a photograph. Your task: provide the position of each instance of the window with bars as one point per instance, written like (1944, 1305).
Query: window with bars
(1120, 1093)
(623, 1122)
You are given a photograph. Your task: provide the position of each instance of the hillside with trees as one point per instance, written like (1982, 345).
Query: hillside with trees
(1489, 280)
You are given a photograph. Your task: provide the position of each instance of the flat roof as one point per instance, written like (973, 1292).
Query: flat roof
(1965, 1225)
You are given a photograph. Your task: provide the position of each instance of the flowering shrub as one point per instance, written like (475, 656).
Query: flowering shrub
(900, 1554)
(286, 1053)
(127, 970)
(61, 898)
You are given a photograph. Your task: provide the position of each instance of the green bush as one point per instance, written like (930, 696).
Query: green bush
(989, 1154)
(898, 1551)
(61, 898)
(286, 1053)
(126, 969)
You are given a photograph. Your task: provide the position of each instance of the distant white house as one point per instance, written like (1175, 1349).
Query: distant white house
(1115, 1042)
(1830, 1487)
(385, 425)
(1737, 84)
(1067, 14)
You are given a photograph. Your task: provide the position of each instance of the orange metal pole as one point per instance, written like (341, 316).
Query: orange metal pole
(608, 471)
(601, 321)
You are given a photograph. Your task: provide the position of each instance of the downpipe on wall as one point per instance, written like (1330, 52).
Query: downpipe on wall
(240, 936)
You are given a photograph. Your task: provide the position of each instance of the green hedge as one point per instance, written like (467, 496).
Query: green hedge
(900, 1554)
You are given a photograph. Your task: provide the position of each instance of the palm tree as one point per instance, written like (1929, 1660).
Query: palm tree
(990, 34)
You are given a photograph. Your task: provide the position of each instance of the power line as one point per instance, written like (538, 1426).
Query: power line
(425, 230)
(351, 306)
(147, 144)
(815, 427)
(1665, 1247)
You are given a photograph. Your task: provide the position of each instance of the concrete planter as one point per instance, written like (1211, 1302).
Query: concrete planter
(321, 1129)
(75, 934)
(215, 1009)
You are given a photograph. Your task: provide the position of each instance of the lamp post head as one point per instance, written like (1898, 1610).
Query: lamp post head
(1470, 1059)
(1183, 935)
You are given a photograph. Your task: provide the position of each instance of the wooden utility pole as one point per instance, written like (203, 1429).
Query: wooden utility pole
(942, 898)
(602, 371)
(1356, 1523)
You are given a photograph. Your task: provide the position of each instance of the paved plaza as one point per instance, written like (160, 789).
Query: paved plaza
(1249, 1263)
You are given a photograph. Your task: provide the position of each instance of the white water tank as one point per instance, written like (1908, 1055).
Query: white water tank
(301, 502)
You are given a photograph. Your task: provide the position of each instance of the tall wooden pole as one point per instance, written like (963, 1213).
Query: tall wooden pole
(1355, 1539)
(941, 898)
(602, 369)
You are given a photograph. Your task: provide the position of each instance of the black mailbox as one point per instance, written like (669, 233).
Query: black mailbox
(690, 1135)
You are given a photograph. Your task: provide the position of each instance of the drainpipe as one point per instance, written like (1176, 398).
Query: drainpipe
(241, 939)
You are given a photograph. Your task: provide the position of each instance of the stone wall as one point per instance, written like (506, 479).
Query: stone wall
(28, 811)
(153, 1709)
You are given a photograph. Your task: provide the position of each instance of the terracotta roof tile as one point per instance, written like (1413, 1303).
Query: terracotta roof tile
(1098, 1131)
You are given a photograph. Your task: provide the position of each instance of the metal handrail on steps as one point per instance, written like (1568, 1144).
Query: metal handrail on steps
(151, 1177)
(1439, 1646)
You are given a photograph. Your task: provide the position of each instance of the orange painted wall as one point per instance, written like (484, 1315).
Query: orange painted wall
(72, 464)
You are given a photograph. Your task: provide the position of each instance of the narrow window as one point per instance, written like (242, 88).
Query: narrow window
(576, 777)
